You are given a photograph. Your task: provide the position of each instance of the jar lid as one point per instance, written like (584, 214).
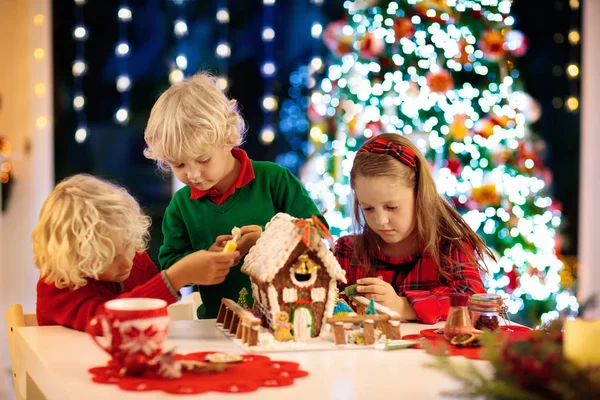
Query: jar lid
(458, 299)
(487, 301)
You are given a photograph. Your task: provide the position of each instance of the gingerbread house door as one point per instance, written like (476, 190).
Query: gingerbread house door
(303, 324)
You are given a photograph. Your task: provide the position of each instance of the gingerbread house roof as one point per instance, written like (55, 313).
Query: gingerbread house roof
(273, 248)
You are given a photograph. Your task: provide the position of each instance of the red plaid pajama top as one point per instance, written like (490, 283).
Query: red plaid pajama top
(416, 278)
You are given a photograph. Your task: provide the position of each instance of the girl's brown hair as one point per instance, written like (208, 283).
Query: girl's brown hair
(439, 227)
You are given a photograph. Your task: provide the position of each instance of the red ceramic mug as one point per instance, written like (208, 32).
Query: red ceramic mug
(131, 326)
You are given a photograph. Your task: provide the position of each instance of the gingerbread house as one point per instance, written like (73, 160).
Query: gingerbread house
(293, 271)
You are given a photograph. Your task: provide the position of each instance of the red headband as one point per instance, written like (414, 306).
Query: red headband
(401, 153)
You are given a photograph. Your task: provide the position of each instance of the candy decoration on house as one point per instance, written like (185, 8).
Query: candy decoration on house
(243, 299)
(305, 266)
(371, 308)
(292, 270)
(312, 231)
(341, 309)
(283, 329)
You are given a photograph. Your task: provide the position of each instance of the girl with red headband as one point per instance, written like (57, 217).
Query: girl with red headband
(411, 248)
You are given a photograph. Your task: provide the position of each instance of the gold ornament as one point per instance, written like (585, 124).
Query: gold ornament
(305, 265)
(486, 195)
(491, 44)
(458, 129)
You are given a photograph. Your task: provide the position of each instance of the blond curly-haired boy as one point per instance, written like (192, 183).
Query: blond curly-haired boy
(89, 246)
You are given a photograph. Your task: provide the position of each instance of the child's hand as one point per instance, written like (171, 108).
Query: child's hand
(250, 235)
(378, 290)
(201, 268)
(219, 243)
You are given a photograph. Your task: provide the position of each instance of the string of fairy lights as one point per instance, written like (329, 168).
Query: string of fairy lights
(223, 49)
(222, 17)
(79, 68)
(180, 30)
(269, 70)
(122, 51)
(316, 30)
(179, 65)
(573, 71)
(316, 62)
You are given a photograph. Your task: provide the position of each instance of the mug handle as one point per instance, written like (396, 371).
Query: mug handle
(95, 329)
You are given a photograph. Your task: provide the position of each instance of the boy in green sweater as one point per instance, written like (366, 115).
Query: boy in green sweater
(195, 130)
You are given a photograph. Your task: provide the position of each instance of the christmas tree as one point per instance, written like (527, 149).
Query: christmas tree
(243, 299)
(370, 310)
(442, 72)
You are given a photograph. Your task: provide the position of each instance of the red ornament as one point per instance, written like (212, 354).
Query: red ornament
(375, 128)
(370, 46)
(403, 28)
(476, 14)
(485, 127)
(516, 42)
(313, 114)
(491, 44)
(386, 64)
(134, 364)
(513, 281)
(335, 39)
(440, 82)
(454, 165)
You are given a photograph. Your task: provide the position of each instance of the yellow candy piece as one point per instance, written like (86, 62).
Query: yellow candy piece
(230, 247)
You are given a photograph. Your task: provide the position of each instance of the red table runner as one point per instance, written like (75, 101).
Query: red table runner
(253, 372)
(437, 341)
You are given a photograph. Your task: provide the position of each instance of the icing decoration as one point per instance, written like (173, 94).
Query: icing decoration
(317, 294)
(289, 295)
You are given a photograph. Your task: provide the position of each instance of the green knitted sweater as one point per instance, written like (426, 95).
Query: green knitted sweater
(192, 225)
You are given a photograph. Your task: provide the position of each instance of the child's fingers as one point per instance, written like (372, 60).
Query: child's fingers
(225, 258)
(222, 239)
(376, 297)
(249, 229)
(370, 281)
(373, 289)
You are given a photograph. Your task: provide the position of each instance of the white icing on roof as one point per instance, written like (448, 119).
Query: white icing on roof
(274, 247)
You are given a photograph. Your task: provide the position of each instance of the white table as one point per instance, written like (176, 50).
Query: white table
(57, 359)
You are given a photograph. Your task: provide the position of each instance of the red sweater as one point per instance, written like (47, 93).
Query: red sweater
(416, 278)
(75, 308)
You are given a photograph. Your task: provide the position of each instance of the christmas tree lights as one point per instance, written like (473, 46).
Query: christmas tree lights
(442, 72)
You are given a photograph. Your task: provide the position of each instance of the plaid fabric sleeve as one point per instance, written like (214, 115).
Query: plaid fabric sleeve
(344, 253)
(432, 305)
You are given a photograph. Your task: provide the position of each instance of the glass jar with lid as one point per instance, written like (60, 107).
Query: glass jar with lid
(458, 321)
(487, 311)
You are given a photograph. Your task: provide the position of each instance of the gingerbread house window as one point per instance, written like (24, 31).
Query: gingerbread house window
(318, 294)
(290, 295)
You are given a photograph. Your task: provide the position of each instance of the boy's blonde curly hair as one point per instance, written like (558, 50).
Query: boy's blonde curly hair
(81, 224)
(189, 118)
